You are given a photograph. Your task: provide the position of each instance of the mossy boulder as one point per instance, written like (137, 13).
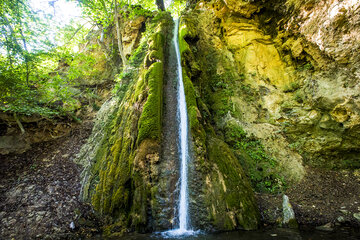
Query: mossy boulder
(230, 199)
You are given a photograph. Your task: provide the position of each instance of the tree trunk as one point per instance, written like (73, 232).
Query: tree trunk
(19, 124)
(160, 5)
(121, 52)
(26, 56)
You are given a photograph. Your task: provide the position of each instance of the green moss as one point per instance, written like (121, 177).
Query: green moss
(139, 207)
(140, 87)
(220, 103)
(156, 42)
(118, 182)
(291, 87)
(230, 192)
(190, 101)
(293, 223)
(261, 168)
(183, 45)
(150, 120)
(188, 85)
(138, 56)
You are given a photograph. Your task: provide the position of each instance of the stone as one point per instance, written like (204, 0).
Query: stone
(327, 227)
(13, 144)
(131, 34)
(288, 213)
(72, 225)
(244, 8)
(357, 216)
(344, 211)
(340, 219)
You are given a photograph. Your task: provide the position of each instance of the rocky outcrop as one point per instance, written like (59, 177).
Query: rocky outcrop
(131, 33)
(238, 76)
(35, 129)
(131, 159)
(122, 155)
(293, 72)
(278, 83)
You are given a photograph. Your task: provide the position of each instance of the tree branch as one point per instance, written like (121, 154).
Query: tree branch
(116, 19)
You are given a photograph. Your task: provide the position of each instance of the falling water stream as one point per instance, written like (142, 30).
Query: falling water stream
(183, 133)
(182, 121)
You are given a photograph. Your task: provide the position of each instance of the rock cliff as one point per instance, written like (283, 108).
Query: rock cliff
(272, 88)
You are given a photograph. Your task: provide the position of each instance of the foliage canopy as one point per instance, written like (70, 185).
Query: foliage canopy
(33, 55)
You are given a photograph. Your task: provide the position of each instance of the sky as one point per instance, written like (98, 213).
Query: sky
(167, 3)
(62, 11)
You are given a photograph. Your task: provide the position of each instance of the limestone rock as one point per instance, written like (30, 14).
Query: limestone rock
(245, 8)
(131, 34)
(331, 25)
(11, 144)
(288, 213)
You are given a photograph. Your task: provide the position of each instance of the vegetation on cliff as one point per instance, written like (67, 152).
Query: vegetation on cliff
(272, 93)
(118, 176)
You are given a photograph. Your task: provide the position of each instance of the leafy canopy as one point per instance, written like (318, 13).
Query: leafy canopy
(35, 49)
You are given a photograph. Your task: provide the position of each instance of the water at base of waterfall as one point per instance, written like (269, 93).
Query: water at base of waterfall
(176, 233)
(278, 234)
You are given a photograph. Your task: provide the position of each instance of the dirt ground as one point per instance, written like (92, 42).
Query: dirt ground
(39, 195)
(322, 197)
(39, 191)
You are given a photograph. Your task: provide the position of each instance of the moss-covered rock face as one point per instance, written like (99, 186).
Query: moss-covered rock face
(129, 173)
(238, 77)
(292, 88)
(220, 193)
(264, 98)
(121, 158)
(230, 200)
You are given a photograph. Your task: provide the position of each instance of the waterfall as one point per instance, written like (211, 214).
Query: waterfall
(182, 121)
(183, 135)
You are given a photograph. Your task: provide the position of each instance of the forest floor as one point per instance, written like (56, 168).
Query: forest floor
(323, 197)
(39, 191)
(39, 194)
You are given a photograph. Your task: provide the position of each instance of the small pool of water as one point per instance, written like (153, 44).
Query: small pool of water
(274, 234)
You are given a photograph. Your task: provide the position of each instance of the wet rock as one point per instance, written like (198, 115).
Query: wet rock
(327, 227)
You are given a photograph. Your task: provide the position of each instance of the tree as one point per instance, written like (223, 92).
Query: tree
(160, 5)
(103, 13)
(119, 37)
(27, 57)
(12, 16)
